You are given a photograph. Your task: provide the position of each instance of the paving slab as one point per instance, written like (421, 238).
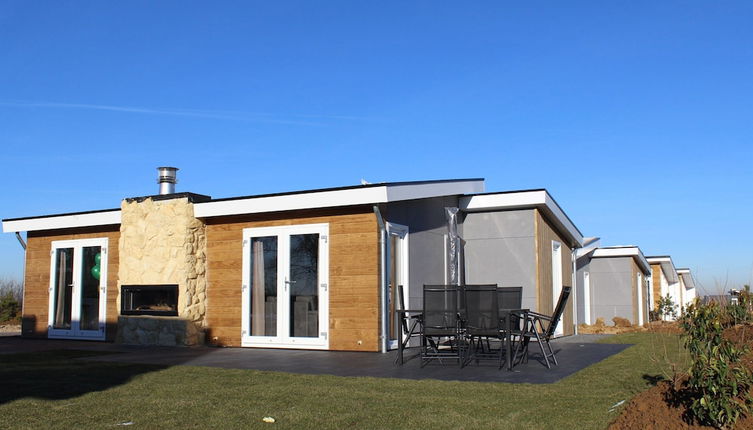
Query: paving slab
(573, 354)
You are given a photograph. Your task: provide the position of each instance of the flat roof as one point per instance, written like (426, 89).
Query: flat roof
(293, 200)
(632, 251)
(687, 278)
(510, 200)
(667, 266)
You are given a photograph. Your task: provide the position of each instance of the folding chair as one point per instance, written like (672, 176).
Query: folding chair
(534, 327)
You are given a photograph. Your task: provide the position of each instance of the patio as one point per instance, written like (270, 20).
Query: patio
(574, 353)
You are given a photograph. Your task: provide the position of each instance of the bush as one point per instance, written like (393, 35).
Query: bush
(10, 309)
(719, 385)
(666, 307)
(11, 297)
(740, 312)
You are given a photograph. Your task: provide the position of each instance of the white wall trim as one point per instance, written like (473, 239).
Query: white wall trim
(520, 200)
(626, 251)
(62, 221)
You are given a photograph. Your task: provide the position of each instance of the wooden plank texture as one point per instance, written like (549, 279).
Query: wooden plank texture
(37, 277)
(353, 275)
(545, 234)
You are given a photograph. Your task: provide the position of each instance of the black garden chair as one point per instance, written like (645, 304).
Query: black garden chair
(441, 334)
(409, 324)
(481, 322)
(542, 327)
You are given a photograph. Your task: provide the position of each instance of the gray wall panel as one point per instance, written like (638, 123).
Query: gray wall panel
(427, 228)
(500, 249)
(612, 288)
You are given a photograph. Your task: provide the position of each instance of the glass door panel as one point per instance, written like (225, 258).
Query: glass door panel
(263, 316)
(62, 292)
(304, 285)
(90, 280)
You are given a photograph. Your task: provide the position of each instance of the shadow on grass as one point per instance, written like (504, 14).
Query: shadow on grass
(56, 374)
(653, 379)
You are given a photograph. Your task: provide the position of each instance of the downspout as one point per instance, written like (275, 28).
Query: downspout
(23, 281)
(382, 280)
(574, 281)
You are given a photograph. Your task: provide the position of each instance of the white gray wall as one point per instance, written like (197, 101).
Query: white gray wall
(427, 227)
(612, 288)
(500, 249)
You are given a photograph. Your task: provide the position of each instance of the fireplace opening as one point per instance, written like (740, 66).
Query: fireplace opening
(161, 300)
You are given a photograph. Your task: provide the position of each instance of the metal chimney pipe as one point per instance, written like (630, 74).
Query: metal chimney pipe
(167, 179)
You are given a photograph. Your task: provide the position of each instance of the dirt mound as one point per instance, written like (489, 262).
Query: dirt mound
(663, 407)
(670, 327)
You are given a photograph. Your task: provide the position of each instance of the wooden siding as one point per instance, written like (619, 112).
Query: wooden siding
(656, 283)
(545, 234)
(634, 282)
(37, 277)
(353, 275)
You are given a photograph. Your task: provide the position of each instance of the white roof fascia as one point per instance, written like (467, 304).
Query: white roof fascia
(631, 251)
(687, 277)
(523, 199)
(333, 198)
(590, 244)
(667, 266)
(421, 191)
(62, 221)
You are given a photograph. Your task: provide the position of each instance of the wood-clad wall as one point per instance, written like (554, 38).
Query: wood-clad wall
(656, 283)
(545, 234)
(353, 275)
(37, 276)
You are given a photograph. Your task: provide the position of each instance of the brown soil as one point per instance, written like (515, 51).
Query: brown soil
(662, 407)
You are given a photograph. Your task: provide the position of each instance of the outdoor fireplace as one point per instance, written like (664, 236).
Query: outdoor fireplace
(160, 300)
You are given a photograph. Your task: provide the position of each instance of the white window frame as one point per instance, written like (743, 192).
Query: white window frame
(75, 331)
(283, 339)
(587, 297)
(400, 231)
(557, 283)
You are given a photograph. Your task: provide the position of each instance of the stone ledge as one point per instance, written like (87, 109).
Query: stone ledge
(155, 330)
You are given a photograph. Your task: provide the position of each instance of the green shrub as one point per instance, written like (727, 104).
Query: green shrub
(719, 385)
(666, 307)
(740, 312)
(9, 307)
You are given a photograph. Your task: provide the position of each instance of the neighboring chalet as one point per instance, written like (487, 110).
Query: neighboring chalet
(687, 287)
(310, 269)
(664, 281)
(613, 282)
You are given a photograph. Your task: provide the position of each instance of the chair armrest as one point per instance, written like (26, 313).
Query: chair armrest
(536, 315)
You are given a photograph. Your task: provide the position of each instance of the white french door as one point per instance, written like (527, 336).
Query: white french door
(78, 289)
(285, 287)
(397, 274)
(557, 283)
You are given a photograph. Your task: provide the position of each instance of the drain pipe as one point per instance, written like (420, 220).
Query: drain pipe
(382, 280)
(574, 282)
(23, 280)
(21, 241)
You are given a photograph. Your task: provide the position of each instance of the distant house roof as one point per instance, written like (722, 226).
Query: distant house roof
(687, 278)
(624, 251)
(540, 199)
(308, 199)
(667, 266)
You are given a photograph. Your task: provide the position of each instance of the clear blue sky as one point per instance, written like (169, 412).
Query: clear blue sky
(637, 116)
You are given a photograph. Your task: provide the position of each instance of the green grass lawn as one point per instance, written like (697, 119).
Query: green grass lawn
(51, 390)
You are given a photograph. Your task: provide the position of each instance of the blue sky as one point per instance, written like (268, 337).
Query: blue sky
(636, 116)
